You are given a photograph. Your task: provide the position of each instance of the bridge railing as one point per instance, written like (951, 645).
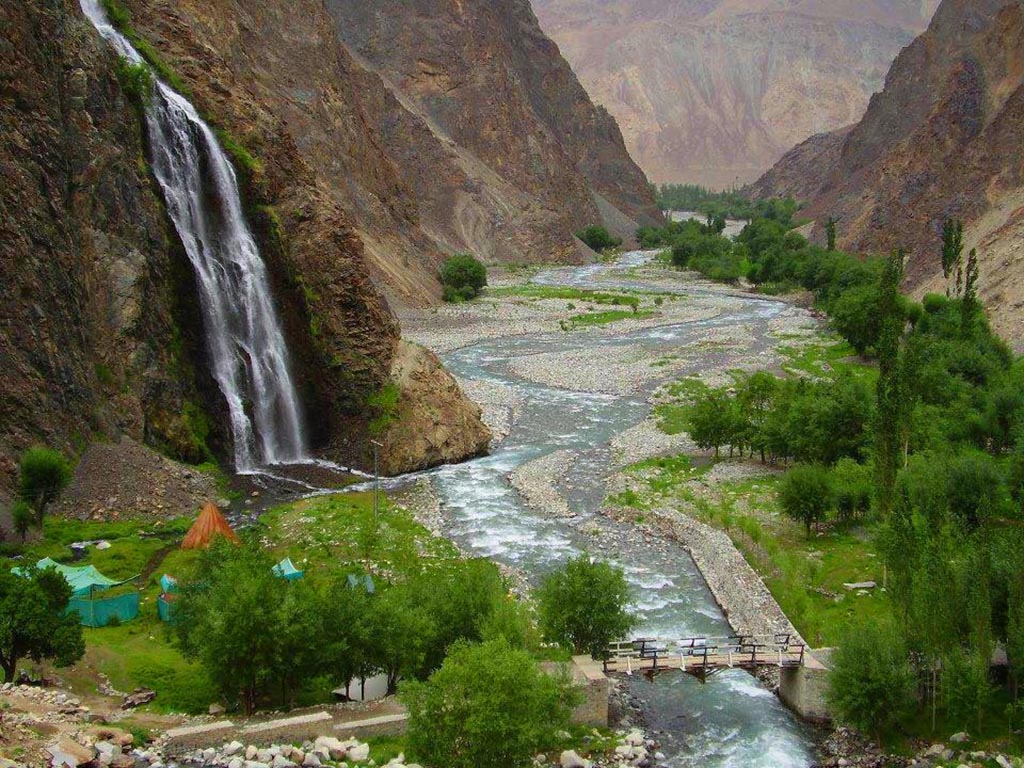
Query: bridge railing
(705, 652)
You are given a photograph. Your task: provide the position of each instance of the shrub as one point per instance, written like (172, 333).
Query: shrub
(806, 494)
(44, 474)
(871, 686)
(855, 317)
(488, 706)
(136, 81)
(598, 238)
(462, 277)
(584, 605)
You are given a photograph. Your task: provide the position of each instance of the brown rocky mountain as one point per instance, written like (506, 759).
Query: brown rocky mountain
(715, 91)
(358, 186)
(942, 140)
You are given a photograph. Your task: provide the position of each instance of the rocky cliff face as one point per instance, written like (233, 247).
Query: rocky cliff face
(941, 141)
(715, 91)
(483, 75)
(356, 186)
(95, 298)
(506, 166)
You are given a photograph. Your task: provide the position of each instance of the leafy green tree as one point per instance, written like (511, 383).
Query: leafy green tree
(806, 494)
(829, 420)
(229, 620)
(584, 605)
(976, 490)
(345, 647)
(298, 655)
(1015, 625)
(831, 229)
(852, 484)
(488, 706)
(511, 620)
(970, 306)
(403, 633)
(459, 598)
(871, 685)
(33, 622)
(855, 317)
(44, 474)
(462, 277)
(966, 687)
(713, 420)
(755, 398)
(598, 238)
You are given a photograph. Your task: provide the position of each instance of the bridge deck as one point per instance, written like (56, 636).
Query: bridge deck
(704, 656)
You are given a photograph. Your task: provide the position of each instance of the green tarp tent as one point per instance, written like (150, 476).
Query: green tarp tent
(286, 570)
(83, 580)
(96, 610)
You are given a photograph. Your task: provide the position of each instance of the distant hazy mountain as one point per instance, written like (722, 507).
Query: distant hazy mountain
(715, 91)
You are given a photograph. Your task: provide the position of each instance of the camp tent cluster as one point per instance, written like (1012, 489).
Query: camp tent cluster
(89, 587)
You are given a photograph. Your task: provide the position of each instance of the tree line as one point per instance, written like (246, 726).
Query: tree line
(932, 461)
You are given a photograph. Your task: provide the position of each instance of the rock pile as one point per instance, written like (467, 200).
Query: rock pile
(325, 751)
(634, 750)
(845, 748)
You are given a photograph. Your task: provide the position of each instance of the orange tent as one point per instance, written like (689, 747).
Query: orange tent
(210, 523)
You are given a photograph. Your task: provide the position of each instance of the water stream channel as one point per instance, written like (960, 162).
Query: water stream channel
(730, 721)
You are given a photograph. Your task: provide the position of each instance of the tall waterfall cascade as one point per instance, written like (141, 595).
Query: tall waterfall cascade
(247, 350)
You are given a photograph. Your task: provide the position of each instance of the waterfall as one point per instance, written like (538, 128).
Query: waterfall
(243, 334)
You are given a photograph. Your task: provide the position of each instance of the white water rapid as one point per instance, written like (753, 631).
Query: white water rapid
(247, 350)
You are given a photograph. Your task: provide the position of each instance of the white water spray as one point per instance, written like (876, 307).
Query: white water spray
(246, 346)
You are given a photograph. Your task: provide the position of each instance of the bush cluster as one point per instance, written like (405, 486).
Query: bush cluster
(598, 238)
(462, 277)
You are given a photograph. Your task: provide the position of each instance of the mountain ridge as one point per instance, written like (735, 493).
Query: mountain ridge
(715, 92)
(941, 141)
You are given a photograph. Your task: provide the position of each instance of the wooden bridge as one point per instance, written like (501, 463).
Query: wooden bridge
(704, 656)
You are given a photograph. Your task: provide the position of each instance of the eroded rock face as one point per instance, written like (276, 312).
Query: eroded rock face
(715, 91)
(434, 422)
(98, 333)
(486, 77)
(941, 141)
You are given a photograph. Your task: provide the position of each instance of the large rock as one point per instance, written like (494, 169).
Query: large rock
(570, 759)
(96, 338)
(433, 422)
(358, 752)
(67, 753)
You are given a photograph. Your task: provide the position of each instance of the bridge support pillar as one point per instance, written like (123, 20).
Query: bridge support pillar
(595, 687)
(804, 689)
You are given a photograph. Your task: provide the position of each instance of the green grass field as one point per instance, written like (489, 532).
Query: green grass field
(805, 575)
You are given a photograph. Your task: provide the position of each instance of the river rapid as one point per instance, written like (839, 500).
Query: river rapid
(732, 720)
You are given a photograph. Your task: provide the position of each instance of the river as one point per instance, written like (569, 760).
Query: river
(732, 720)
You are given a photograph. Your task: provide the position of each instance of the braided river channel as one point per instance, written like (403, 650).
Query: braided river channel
(732, 720)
